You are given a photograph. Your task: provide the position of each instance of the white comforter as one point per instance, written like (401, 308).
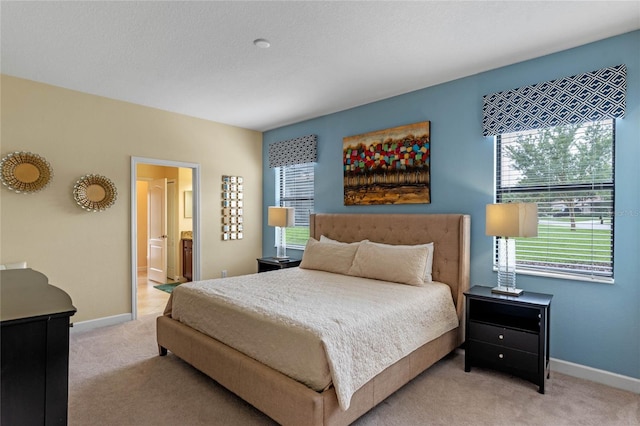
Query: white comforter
(317, 327)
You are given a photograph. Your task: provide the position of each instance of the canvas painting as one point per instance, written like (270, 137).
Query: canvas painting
(390, 166)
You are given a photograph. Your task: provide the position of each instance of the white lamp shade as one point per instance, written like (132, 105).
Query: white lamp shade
(281, 216)
(512, 220)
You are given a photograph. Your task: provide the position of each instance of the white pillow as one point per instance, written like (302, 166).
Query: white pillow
(14, 265)
(324, 239)
(330, 257)
(401, 264)
(427, 276)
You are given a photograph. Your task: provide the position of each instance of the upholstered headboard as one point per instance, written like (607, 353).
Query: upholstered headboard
(450, 234)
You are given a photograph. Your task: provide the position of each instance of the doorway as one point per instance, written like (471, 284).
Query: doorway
(175, 179)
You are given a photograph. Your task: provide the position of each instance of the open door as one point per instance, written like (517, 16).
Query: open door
(140, 240)
(157, 243)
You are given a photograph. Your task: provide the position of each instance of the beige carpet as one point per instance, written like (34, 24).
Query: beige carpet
(117, 378)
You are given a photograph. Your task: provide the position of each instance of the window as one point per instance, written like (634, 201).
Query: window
(295, 189)
(569, 172)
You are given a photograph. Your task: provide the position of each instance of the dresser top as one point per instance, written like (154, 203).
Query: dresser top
(25, 293)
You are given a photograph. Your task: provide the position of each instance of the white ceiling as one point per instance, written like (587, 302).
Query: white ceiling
(198, 58)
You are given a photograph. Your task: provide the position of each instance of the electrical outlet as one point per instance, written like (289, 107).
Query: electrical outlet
(224, 273)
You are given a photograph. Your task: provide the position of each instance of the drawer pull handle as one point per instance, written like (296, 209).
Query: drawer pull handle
(500, 336)
(500, 356)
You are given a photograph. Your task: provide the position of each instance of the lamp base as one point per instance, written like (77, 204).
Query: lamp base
(281, 249)
(510, 291)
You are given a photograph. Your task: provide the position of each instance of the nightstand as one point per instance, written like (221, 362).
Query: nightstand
(271, 264)
(508, 333)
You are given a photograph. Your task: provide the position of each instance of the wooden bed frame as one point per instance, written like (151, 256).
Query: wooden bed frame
(289, 402)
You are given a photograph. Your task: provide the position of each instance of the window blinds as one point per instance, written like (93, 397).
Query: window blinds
(296, 189)
(569, 172)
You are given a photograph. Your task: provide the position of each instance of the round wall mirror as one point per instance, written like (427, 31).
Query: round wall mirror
(95, 193)
(25, 172)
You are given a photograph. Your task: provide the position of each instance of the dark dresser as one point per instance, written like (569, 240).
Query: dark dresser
(34, 344)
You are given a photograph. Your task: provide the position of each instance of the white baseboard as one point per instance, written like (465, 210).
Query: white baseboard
(100, 322)
(595, 375)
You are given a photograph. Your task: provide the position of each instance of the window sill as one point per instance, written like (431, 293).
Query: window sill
(583, 278)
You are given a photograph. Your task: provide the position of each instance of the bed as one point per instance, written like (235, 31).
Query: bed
(290, 402)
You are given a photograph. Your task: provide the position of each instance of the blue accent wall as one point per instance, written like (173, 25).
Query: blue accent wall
(592, 324)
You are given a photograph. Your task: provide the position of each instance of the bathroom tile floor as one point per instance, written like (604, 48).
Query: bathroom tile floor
(150, 300)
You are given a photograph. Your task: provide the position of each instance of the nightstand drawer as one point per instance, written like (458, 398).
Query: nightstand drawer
(503, 337)
(499, 356)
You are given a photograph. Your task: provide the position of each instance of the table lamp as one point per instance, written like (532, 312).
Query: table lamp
(507, 220)
(281, 217)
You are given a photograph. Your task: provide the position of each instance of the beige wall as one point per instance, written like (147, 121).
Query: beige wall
(149, 171)
(185, 182)
(141, 192)
(88, 254)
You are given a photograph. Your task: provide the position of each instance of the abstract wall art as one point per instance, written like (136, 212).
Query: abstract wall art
(390, 166)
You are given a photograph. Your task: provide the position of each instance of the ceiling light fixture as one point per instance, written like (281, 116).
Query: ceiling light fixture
(262, 43)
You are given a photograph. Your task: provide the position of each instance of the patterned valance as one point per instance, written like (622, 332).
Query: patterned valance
(590, 96)
(293, 151)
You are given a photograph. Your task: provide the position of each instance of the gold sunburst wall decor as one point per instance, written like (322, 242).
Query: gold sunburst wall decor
(95, 193)
(25, 172)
